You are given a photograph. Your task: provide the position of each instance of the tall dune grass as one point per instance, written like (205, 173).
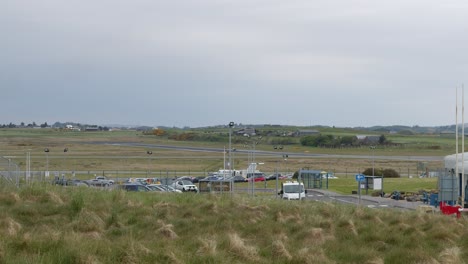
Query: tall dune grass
(51, 224)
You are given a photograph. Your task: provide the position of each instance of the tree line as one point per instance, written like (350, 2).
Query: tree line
(330, 141)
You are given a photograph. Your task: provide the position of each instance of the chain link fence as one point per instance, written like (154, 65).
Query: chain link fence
(9, 172)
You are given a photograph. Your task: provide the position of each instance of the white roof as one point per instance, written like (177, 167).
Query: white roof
(451, 162)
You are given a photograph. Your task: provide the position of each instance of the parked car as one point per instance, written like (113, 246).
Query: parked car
(100, 181)
(67, 182)
(170, 188)
(273, 176)
(134, 187)
(167, 181)
(103, 178)
(185, 186)
(328, 175)
(156, 188)
(257, 178)
(237, 179)
(190, 178)
(212, 178)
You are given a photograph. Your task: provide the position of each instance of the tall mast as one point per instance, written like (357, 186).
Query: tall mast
(456, 132)
(463, 147)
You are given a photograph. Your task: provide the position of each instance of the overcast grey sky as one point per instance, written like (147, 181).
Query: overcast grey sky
(194, 63)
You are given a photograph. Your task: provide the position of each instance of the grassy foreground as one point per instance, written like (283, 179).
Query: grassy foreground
(48, 224)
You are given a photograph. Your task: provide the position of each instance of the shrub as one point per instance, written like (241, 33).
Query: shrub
(387, 173)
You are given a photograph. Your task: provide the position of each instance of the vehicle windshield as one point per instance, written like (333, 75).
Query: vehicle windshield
(187, 182)
(293, 188)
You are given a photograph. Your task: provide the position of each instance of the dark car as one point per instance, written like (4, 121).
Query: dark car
(237, 179)
(273, 176)
(134, 188)
(190, 178)
(212, 178)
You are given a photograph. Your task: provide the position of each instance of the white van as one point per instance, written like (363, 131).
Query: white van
(292, 190)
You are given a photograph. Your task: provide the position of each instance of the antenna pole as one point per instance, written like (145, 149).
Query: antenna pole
(463, 148)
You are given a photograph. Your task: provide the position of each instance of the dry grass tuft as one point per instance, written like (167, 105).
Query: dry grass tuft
(279, 250)
(166, 230)
(55, 198)
(296, 218)
(317, 236)
(48, 232)
(258, 208)
(10, 226)
(376, 260)
(311, 256)
(173, 258)
(238, 247)
(431, 261)
(451, 256)
(211, 208)
(360, 212)
(89, 221)
(352, 227)
(136, 204)
(9, 198)
(282, 236)
(378, 220)
(93, 235)
(164, 205)
(256, 213)
(208, 246)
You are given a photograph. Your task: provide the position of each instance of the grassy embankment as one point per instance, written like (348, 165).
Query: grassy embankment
(44, 224)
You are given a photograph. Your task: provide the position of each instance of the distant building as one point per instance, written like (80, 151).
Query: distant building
(368, 139)
(248, 131)
(306, 132)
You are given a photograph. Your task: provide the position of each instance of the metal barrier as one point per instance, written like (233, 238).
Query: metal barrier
(9, 171)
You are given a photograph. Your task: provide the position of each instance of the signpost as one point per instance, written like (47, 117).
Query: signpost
(360, 178)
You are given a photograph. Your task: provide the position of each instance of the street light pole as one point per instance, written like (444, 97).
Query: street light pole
(46, 174)
(280, 148)
(231, 125)
(149, 152)
(373, 163)
(65, 150)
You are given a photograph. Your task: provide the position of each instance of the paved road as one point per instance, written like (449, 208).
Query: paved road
(369, 201)
(364, 200)
(272, 153)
